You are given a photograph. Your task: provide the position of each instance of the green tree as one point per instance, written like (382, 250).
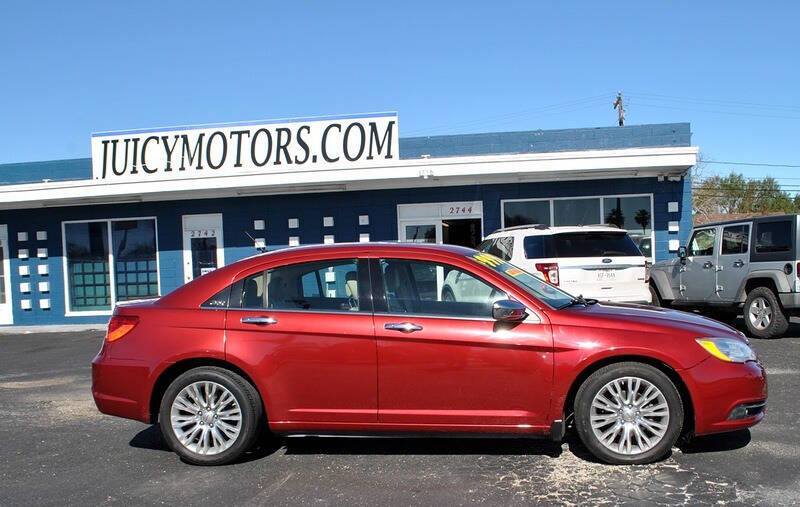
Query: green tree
(736, 194)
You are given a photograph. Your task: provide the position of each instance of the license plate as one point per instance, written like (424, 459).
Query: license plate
(606, 274)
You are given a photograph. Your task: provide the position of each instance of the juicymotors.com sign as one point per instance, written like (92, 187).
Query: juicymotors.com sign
(252, 148)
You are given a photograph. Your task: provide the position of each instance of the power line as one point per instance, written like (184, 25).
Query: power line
(756, 164)
(736, 103)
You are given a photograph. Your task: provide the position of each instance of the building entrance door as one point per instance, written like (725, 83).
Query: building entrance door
(6, 316)
(451, 223)
(203, 248)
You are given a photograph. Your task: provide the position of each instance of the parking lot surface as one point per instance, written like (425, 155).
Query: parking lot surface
(57, 449)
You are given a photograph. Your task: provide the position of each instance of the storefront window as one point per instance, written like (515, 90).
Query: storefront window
(132, 254)
(576, 211)
(634, 215)
(135, 273)
(87, 266)
(526, 213)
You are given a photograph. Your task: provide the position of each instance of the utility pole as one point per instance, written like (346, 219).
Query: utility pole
(620, 107)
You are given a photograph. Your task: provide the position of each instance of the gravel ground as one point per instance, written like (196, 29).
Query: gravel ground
(58, 449)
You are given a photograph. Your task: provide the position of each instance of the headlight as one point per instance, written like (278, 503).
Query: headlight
(728, 349)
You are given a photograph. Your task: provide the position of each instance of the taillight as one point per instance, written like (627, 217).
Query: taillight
(119, 326)
(549, 270)
(647, 265)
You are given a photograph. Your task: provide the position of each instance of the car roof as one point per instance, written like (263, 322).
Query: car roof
(210, 283)
(760, 218)
(539, 229)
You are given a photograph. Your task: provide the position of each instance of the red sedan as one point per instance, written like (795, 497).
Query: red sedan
(376, 338)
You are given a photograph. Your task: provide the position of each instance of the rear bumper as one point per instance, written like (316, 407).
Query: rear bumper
(119, 388)
(726, 396)
(790, 300)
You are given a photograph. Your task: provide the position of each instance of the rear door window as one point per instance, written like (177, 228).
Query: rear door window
(330, 285)
(734, 239)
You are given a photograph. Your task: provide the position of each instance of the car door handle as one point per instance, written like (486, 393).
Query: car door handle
(259, 321)
(708, 264)
(738, 264)
(403, 327)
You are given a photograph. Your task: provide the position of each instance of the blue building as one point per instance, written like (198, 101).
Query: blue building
(80, 235)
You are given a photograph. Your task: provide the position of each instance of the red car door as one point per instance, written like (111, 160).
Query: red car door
(444, 363)
(307, 330)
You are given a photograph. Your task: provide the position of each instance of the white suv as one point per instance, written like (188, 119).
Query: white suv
(596, 261)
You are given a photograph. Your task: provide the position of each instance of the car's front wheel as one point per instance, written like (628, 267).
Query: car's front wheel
(628, 413)
(210, 415)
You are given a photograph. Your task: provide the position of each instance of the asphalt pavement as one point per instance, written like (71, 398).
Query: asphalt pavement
(57, 449)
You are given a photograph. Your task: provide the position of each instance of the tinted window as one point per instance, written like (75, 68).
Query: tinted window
(538, 247)
(594, 244)
(429, 288)
(702, 242)
(331, 285)
(218, 300)
(774, 236)
(734, 239)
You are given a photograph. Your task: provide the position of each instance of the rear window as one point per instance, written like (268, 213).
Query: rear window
(581, 244)
(774, 236)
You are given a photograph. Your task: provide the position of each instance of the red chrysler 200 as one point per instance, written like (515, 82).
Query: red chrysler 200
(392, 338)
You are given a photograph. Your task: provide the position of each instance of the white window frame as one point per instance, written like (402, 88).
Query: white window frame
(68, 312)
(602, 197)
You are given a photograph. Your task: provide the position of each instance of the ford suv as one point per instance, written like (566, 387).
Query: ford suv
(748, 266)
(597, 261)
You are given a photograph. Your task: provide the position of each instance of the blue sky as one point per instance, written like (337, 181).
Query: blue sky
(729, 68)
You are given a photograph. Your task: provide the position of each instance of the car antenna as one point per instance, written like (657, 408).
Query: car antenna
(261, 249)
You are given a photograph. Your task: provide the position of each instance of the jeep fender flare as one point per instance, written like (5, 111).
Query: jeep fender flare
(778, 282)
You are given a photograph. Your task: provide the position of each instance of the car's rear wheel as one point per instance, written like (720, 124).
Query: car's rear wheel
(763, 315)
(210, 415)
(628, 413)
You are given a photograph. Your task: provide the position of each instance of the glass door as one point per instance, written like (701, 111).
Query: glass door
(203, 249)
(426, 231)
(5, 278)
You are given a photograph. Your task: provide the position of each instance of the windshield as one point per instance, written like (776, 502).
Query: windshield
(541, 290)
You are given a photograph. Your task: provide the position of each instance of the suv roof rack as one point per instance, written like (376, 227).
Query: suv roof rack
(518, 227)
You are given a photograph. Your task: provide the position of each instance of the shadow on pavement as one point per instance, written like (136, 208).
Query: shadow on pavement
(421, 446)
(717, 443)
(150, 438)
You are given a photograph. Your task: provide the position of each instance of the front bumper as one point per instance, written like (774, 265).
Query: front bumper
(721, 391)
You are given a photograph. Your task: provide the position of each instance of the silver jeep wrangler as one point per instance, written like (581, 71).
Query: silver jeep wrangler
(745, 265)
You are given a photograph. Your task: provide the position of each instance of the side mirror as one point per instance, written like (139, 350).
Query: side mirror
(682, 254)
(507, 310)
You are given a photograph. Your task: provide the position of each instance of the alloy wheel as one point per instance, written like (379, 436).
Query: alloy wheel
(629, 415)
(206, 418)
(760, 313)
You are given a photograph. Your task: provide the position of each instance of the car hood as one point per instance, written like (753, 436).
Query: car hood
(650, 317)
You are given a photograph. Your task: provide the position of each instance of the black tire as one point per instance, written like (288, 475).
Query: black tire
(602, 377)
(249, 402)
(656, 298)
(779, 323)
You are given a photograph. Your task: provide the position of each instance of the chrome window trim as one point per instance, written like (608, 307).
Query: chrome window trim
(531, 314)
